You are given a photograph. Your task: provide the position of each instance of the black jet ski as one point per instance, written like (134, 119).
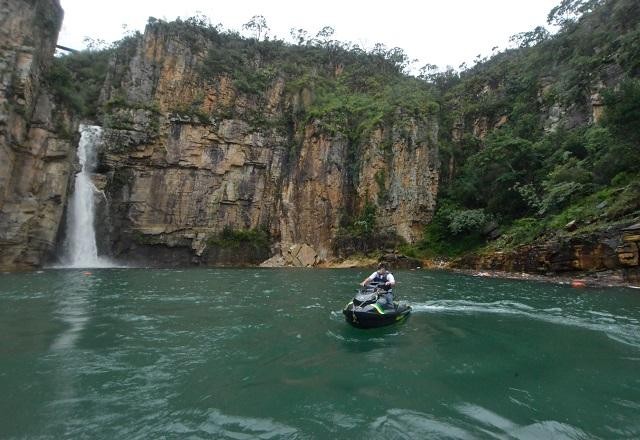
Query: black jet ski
(364, 312)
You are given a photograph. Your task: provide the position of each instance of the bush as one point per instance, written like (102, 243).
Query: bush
(522, 231)
(257, 238)
(467, 220)
(489, 177)
(557, 196)
(610, 155)
(238, 246)
(361, 235)
(438, 240)
(625, 202)
(77, 79)
(622, 110)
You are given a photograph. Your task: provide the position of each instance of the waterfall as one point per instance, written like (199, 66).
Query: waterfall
(81, 248)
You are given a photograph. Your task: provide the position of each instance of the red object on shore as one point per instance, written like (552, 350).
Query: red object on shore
(578, 283)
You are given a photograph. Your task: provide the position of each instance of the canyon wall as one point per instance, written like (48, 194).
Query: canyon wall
(522, 149)
(36, 157)
(187, 156)
(219, 149)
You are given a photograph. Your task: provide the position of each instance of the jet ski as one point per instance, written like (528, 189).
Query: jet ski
(364, 312)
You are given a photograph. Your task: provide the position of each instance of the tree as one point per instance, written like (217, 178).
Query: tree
(531, 38)
(398, 58)
(426, 71)
(394, 58)
(444, 80)
(324, 35)
(490, 177)
(94, 44)
(299, 36)
(257, 25)
(568, 11)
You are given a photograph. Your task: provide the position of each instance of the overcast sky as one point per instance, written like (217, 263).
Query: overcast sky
(440, 32)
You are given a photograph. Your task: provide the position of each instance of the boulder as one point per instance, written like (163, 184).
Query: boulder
(301, 255)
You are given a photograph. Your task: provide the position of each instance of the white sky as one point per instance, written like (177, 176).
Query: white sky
(440, 32)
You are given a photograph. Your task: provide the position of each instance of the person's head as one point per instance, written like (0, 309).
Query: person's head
(382, 268)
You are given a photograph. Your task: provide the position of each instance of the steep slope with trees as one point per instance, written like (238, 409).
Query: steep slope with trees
(540, 148)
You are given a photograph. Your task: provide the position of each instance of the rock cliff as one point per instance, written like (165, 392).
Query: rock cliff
(36, 157)
(189, 155)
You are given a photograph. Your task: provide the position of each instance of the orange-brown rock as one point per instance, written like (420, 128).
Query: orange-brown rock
(210, 156)
(612, 250)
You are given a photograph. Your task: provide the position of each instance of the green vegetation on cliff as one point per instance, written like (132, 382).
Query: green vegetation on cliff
(343, 89)
(543, 135)
(239, 246)
(362, 234)
(76, 79)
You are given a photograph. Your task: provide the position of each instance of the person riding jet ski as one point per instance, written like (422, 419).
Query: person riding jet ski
(373, 305)
(384, 280)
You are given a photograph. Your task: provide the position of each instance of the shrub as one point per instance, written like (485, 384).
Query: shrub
(522, 231)
(467, 220)
(361, 235)
(257, 238)
(76, 80)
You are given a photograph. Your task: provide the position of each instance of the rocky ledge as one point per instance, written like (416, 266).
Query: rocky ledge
(605, 257)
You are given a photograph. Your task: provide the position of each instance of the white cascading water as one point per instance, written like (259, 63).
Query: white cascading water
(81, 248)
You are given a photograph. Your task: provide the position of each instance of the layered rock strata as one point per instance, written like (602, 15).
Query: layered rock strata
(613, 250)
(35, 159)
(186, 157)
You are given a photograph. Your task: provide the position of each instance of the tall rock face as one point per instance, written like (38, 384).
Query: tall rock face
(402, 174)
(35, 159)
(190, 154)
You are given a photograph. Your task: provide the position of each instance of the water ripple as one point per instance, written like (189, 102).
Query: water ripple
(223, 426)
(407, 424)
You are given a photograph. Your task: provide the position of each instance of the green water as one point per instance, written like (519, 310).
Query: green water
(246, 353)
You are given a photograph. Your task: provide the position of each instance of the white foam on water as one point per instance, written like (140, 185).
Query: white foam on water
(618, 328)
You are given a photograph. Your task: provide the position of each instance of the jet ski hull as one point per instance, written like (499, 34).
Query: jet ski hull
(374, 318)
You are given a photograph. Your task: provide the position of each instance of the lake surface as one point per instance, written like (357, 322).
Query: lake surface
(266, 353)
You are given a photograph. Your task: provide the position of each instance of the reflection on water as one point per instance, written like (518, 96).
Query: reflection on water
(72, 309)
(245, 353)
(475, 421)
(220, 425)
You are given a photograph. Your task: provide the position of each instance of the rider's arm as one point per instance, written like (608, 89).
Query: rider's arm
(367, 279)
(391, 281)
